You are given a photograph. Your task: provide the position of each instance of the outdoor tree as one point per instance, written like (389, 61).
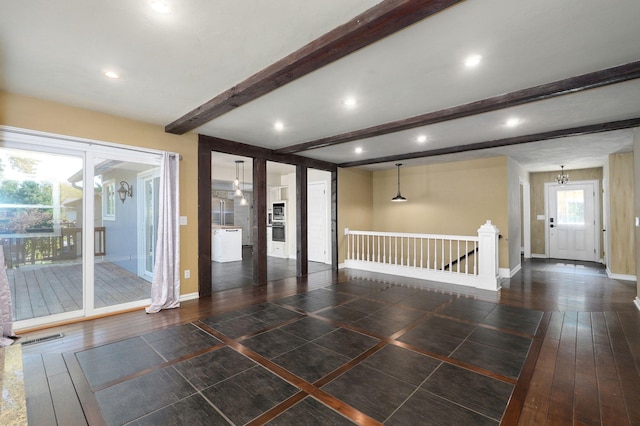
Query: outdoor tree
(14, 216)
(25, 165)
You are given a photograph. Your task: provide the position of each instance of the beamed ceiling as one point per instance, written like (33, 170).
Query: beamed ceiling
(568, 72)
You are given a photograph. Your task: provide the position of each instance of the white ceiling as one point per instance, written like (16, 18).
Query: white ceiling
(170, 64)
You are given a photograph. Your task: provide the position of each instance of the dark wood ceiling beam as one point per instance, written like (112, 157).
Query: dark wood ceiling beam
(211, 143)
(538, 137)
(575, 84)
(382, 20)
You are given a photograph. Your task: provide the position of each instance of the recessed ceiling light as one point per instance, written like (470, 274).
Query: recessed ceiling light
(421, 139)
(472, 61)
(278, 125)
(111, 74)
(160, 6)
(358, 150)
(350, 102)
(513, 122)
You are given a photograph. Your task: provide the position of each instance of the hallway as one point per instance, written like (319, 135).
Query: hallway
(560, 343)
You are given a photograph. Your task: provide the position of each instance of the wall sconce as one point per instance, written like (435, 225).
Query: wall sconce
(123, 192)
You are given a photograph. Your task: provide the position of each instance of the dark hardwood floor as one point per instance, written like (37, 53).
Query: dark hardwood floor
(559, 344)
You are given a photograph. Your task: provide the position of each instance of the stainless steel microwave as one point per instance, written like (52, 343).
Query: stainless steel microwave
(279, 211)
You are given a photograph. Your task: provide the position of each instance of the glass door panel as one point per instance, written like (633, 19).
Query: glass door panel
(125, 231)
(41, 231)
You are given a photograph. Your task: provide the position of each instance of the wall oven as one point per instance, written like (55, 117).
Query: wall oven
(278, 232)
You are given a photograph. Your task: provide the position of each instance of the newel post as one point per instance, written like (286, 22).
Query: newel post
(488, 273)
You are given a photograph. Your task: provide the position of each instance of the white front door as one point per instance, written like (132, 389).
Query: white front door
(572, 221)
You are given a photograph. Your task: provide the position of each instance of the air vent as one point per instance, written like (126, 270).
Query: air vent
(43, 339)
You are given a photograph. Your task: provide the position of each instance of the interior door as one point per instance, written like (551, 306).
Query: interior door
(317, 222)
(572, 221)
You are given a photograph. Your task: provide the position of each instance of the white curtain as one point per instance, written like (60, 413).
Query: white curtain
(165, 286)
(6, 326)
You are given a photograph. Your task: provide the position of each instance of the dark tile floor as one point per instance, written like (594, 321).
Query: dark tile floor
(240, 273)
(369, 350)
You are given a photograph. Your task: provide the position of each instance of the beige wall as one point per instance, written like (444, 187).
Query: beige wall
(355, 204)
(537, 181)
(452, 198)
(622, 259)
(36, 114)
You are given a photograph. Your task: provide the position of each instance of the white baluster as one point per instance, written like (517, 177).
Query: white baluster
(466, 259)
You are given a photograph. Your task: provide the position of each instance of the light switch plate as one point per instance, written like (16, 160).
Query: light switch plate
(637, 222)
(541, 217)
(183, 220)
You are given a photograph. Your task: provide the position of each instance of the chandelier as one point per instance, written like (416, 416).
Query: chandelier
(562, 177)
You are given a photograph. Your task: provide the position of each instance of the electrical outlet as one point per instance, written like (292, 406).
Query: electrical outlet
(187, 273)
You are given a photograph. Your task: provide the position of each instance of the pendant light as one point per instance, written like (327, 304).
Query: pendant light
(243, 201)
(398, 197)
(236, 182)
(562, 177)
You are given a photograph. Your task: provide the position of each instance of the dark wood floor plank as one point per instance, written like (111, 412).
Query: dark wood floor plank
(65, 400)
(586, 406)
(562, 389)
(611, 404)
(624, 361)
(630, 322)
(36, 386)
(518, 397)
(536, 405)
(87, 398)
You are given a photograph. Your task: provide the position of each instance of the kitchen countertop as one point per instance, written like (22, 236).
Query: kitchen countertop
(225, 227)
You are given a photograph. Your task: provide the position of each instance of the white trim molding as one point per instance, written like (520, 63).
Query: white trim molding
(509, 273)
(636, 302)
(622, 277)
(189, 296)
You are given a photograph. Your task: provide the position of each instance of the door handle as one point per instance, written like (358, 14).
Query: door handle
(551, 226)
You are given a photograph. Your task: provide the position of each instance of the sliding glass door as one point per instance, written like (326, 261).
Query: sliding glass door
(78, 226)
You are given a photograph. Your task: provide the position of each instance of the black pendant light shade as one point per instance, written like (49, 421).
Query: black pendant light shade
(398, 197)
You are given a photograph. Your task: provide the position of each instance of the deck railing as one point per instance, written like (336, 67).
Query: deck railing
(32, 248)
(455, 259)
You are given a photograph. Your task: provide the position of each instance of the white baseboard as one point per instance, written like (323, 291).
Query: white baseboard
(189, 296)
(340, 265)
(538, 256)
(509, 273)
(621, 277)
(636, 302)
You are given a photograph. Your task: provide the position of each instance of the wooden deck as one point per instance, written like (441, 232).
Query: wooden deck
(47, 289)
(583, 367)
